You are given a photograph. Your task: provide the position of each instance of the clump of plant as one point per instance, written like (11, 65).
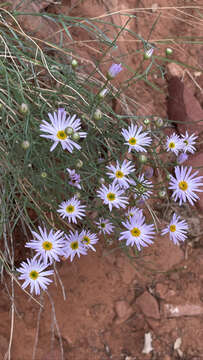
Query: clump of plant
(72, 169)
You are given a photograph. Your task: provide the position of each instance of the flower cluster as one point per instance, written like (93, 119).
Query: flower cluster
(51, 247)
(117, 194)
(122, 184)
(184, 184)
(183, 143)
(112, 195)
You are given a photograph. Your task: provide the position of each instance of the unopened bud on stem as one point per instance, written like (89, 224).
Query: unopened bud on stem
(162, 193)
(43, 174)
(143, 158)
(146, 121)
(97, 114)
(169, 51)
(79, 163)
(23, 108)
(103, 93)
(75, 136)
(74, 63)
(25, 144)
(69, 131)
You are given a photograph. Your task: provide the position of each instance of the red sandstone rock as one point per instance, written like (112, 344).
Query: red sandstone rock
(153, 324)
(163, 291)
(148, 305)
(37, 25)
(127, 269)
(167, 357)
(170, 310)
(52, 355)
(123, 311)
(174, 70)
(163, 255)
(183, 108)
(94, 340)
(27, 5)
(3, 346)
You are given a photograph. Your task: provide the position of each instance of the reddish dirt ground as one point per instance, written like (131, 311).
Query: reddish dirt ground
(111, 303)
(114, 300)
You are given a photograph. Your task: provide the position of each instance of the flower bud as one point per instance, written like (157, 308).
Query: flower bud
(162, 193)
(109, 241)
(182, 158)
(75, 136)
(25, 144)
(97, 114)
(103, 93)
(168, 177)
(140, 202)
(74, 63)
(169, 51)
(143, 158)
(149, 172)
(43, 174)
(146, 121)
(102, 180)
(69, 131)
(23, 108)
(78, 195)
(148, 53)
(79, 163)
(114, 70)
(159, 122)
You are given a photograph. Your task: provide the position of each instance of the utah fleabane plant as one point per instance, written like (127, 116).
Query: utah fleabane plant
(75, 168)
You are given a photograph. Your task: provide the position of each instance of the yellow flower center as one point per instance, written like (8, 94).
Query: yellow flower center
(183, 185)
(119, 174)
(111, 196)
(103, 225)
(132, 141)
(70, 209)
(186, 142)
(172, 228)
(135, 232)
(61, 135)
(86, 240)
(74, 245)
(33, 275)
(171, 145)
(47, 245)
